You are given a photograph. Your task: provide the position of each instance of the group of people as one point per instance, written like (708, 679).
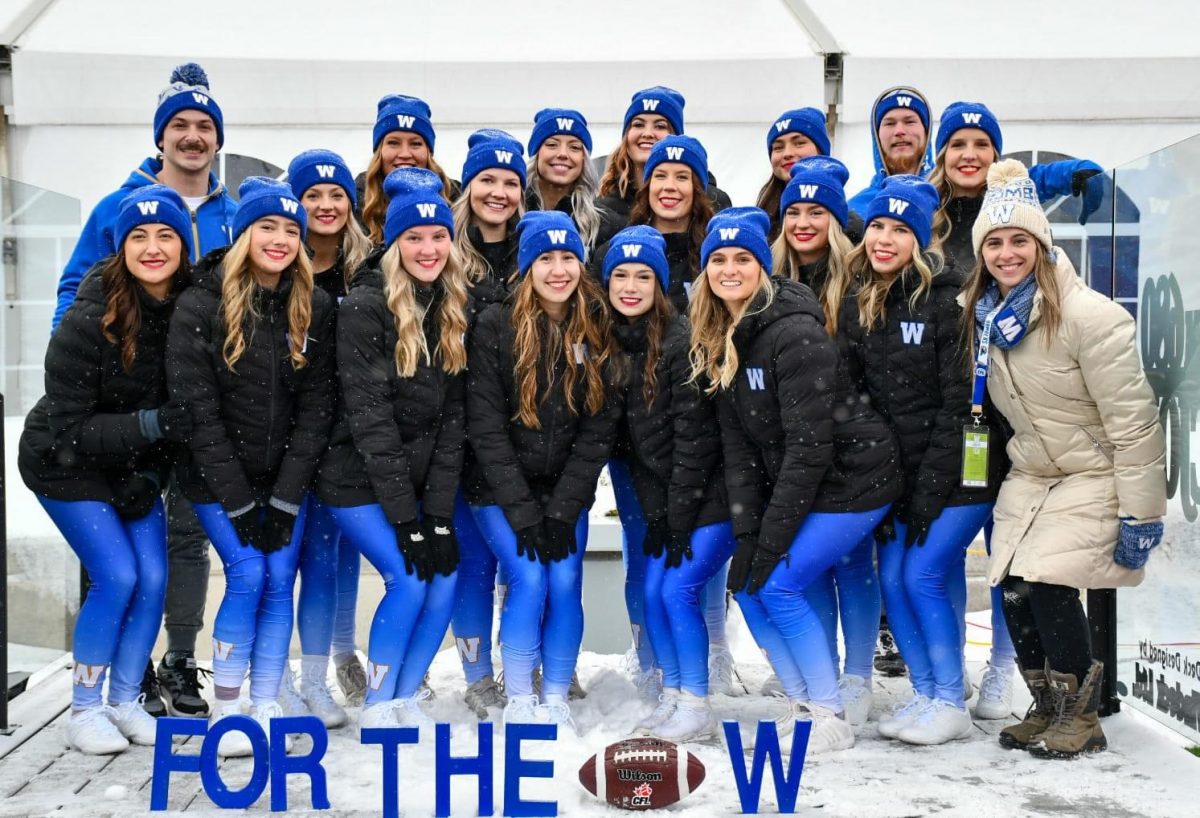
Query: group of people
(432, 373)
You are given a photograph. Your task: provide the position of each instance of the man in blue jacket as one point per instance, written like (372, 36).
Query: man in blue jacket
(188, 131)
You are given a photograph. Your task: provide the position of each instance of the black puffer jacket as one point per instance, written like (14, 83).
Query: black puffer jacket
(679, 261)
(84, 432)
(673, 447)
(333, 280)
(530, 473)
(610, 223)
(959, 247)
(918, 379)
(406, 434)
(620, 206)
(260, 430)
(797, 435)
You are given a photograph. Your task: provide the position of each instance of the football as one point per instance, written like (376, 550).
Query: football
(641, 773)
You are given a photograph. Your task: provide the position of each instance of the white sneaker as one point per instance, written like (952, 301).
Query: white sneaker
(521, 710)
(379, 714)
(134, 722)
(691, 721)
(315, 694)
(92, 731)
(426, 692)
(556, 710)
(772, 687)
(648, 684)
(234, 744)
(797, 710)
(939, 722)
(902, 715)
(409, 712)
(720, 670)
(263, 713)
(830, 731)
(483, 696)
(996, 692)
(290, 703)
(856, 699)
(352, 679)
(968, 688)
(666, 706)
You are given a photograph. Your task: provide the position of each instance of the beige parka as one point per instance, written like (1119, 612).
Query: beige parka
(1087, 445)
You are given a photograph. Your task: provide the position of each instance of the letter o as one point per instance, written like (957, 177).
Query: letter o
(210, 775)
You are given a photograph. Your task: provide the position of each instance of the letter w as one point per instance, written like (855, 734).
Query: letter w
(972, 119)
(148, 208)
(376, 674)
(405, 122)
(468, 648)
(808, 191)
(782, 125)
(675, 153)
(564, 123)
(631, 250)
(766, 746)
(650, 105)
(289, 205)
(504, 156)
(200, 98)
(729, 233)
(897, 206)
(557, 236)
(912, 332)
(427, 209)
(325, 171)
(1000, 214)
(757, 380)
(904, 102)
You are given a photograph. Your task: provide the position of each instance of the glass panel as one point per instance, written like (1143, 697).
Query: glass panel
(1158, 261)
(38, 230)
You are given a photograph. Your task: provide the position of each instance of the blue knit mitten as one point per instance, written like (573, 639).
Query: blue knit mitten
(1136, 541)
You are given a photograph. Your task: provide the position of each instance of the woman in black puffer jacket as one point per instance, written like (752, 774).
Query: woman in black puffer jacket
(673, 457)
(401, 363)
(251, 351)
(96, 450)
(540, 421)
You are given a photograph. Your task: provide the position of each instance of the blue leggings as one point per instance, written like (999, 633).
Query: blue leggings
(849, 591)
(1004, 652)
(126, 561)
(254, 623)
(474, 601)
(674, 619)
(633, 530)
(780, 617)
(412, 617)
(329, 569)
(921, 589)
(543, 613)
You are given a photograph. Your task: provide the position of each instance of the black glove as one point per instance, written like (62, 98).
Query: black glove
(739, 566)
(763, 564)
(439, 532)
(558, 540)
(175, 422)
(1079, 180)
(917, 530)
(885, 532)
(414, 547)
(277, 527)
(247, 526)
(679, 548)
(658, 533)
(134, 495)
(527, 542)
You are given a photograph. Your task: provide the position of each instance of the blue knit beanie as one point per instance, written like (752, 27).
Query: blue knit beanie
(414, 200)
(959, 115)
(744, 227)
(902, 98)
(639, 244)
(154, 204)
(807, 121)
(908, 199)
(666, 102)
(541, 231)
(260, 196)
(550, 122)
(188, 91)
(679, 148)
(818, 179)
(320, 167)
(398, 112)
(493, 148)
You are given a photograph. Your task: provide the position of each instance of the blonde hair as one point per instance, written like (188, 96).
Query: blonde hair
(474, 265)
(583, 197)
(540, 339)
(1045, 275)
(946, 191)
(237, 301)
(711, 351)
(872, 295)
(400, 293)
(375, 201)
(786, 262)
(355, 248)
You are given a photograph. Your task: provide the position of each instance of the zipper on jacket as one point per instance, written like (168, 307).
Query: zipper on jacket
(195, 236)
(271, 389)
(1098, 446)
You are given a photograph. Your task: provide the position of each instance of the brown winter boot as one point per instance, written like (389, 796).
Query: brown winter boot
(1037, 717)
(1075, 727)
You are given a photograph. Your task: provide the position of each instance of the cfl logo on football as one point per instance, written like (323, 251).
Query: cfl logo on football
(641, 796)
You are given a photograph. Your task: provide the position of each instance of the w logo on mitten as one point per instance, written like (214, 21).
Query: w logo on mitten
(1137, 539)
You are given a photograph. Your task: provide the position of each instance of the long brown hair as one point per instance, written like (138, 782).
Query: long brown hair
(872, 294)
(701, 212)
(237, 301)
(375, 201)
(122, 311)
(768, 199)
(621, 175)
(712, 352)
(1044, 272)
(786, 262)
(587, 327)
(658, 319)
(400, 293)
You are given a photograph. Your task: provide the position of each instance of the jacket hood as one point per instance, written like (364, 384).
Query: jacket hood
(791, 298)
(147, 174)
(91, 289)
(877, 152)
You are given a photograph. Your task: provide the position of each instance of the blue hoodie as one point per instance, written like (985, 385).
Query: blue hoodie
(1052, 179)
(210, 229)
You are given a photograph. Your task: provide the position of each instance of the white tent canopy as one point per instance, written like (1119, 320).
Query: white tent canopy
(1095, 79)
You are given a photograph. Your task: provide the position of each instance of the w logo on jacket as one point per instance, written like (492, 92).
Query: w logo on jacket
(912, 332)
(757, 379)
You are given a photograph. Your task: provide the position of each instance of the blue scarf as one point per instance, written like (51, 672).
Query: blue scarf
(1012, 321)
